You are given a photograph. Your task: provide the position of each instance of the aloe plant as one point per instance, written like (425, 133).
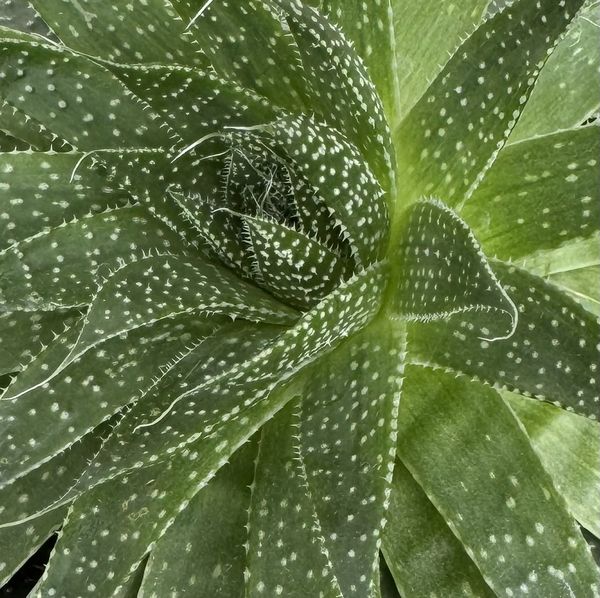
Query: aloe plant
(300, 298)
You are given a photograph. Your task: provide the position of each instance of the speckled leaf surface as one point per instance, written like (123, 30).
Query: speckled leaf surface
(107, 116)
(566, 94)
(129, 33)
(477, 99)
(41, 190)
(347, 434)
(423, 554)
(117, 373)
(569, 448)
(444, 272)
(60, 267)
(501, 503)
(18, 15)
(539, 195)
(214, 545)
(280, 494)
(529, 361)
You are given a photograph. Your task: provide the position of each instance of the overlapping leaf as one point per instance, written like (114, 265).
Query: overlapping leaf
(552, 355)
(455, 131)
(441, 271)
(539, 195)
(468, 452)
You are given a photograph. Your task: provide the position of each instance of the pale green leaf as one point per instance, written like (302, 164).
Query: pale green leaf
(569, 448)
(539, 195)
(424, 556)
(566, 93)
(469, 453)
(427, 33)
(455, 131)
(582, 284)
(18, 15)
(552, 355)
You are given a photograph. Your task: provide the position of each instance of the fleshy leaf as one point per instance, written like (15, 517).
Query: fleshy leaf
(214, 540)
(566, 93)
(286, 555)
(239, 381)
(349, 189)
(424, 556)
(442, 272)
(373, 38)
(343, 95)
(426, 36)
(114, 375)
(290, 265)
(42, 190)
(569, 447)
(80, 101)
(469, 453)
(553, 354)
(347, 436)
(18, 15)
(540, 194)
(582, 285)
(455, 131)
(248, 43)
(24, 333)
(57, 268)
(149, 32)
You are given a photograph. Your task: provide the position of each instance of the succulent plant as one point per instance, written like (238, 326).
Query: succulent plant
(300, 298)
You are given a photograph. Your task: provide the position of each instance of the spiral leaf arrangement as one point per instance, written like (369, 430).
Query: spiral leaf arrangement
(286, 289)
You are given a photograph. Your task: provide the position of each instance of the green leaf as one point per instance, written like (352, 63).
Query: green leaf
(18, 544)
(347, 434)
(58, 268)
(374, 39)
(213, 537)
(424, 556)
(149, 32)
(243, 367)
(116, 374)
(442, 272)
(569, 447)
(24, 333)
(17, 14)
(204, 103)
(468, 452)
(286, 552)
(540, 194)
(28, 132)
(566, 94)
(581, 285)
(79, 100)
(290, 265)
(343, 95)
(455, 131)
(352, 193)
(40, 191)
(248, 43)
(552, 355)
(427, 34)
